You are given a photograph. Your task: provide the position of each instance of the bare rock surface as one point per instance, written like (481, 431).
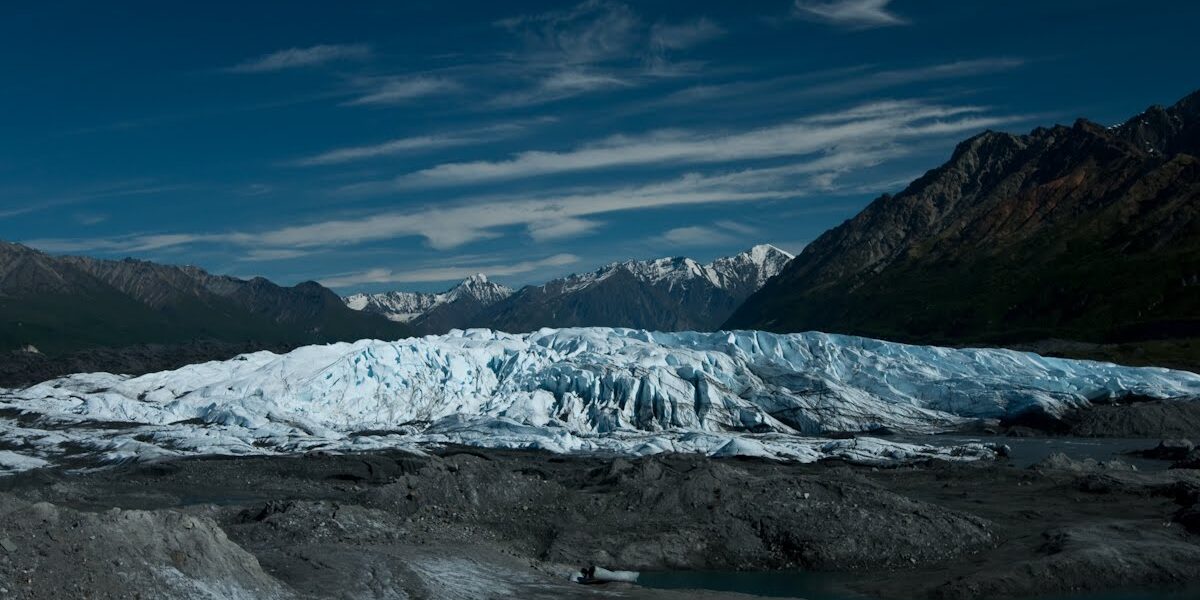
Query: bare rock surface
(50, 551)
(472, 523)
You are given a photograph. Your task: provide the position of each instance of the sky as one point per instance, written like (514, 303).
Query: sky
(405, 145)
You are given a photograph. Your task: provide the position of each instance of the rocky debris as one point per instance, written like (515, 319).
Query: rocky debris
(1183, 453)
(1176, 449)
(1144, 418)
(1061, 462)
(1189, 518)
(682, 512)
(50, 551)
(1088, 559)
(1186, 494)
(21, 368)
(1189, 461)
(471, 523)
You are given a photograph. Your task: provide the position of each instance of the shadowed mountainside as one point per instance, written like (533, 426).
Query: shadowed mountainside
(667, 294)
(1084, 233)
(121, 315)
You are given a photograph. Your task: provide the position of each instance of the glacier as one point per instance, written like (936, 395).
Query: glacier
(596, 390)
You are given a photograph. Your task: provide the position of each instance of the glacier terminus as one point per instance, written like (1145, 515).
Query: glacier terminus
(582, 390)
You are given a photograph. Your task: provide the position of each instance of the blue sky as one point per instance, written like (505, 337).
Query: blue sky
(405, 145)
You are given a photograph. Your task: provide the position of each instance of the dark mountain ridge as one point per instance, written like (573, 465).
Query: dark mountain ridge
(76, 309)
(1081, 233)
(666, 294)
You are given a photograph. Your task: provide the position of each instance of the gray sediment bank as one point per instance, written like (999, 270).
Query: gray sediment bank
(466, 523)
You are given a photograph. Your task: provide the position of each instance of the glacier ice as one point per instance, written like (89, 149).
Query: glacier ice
(566, 390)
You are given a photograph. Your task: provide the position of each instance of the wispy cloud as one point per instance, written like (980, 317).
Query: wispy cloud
(736, 227)
(16, 212)
(542, 216)
(255, 189)
(678, 36)
(823, 149)
(717, 233)
(595, 46)
(559, 228)
(129, 243)
(854, 14)
(871, 123)
(422, 143)
(884, 79)
(83, 196)
(90, 218)
(294, 58)
(574, 81)
(697, 235)
(385, 275)
(845, 82)
(546, 216)
(400, 90)
(591, 32)
(388, 148)
(559, 86)
(271, 254)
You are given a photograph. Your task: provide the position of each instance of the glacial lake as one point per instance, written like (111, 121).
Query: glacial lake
(830, 586)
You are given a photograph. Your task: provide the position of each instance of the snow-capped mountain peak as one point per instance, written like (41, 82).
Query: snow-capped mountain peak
(670, 293)
(756, 265)
(663, 294)
(478, 287)
(752, 267)
(406, 306)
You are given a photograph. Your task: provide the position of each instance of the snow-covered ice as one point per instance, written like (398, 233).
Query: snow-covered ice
(567, 390)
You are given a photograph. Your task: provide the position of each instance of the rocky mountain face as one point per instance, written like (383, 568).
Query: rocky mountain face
(434, 313)
(667, 294)
(64, 306)
(1080, 233)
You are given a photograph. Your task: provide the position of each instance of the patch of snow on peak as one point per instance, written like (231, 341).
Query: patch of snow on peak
(406, 306)
(751, 268)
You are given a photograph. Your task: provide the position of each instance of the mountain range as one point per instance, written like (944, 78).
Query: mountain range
(434, 313)
(666, 294)
(1084, 233)
(53, 308)
(1079, 240)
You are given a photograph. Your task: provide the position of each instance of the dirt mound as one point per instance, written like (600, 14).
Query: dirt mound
(47, 551)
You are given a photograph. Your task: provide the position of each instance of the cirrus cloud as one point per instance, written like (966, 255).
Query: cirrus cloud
(450, 273)
(853, 14)
(293, 58)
